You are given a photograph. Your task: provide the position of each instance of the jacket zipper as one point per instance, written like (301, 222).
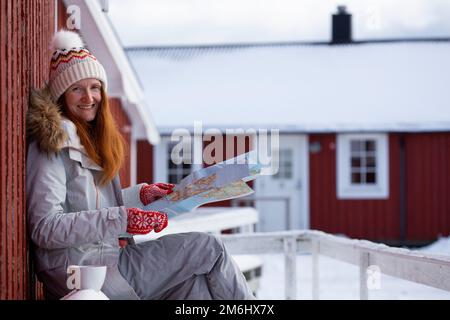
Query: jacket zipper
(97, 205)
(97, 197)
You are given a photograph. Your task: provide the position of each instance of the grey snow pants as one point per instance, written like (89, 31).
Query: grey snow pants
(184, 266)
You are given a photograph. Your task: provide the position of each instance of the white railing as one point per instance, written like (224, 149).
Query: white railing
(424, 268)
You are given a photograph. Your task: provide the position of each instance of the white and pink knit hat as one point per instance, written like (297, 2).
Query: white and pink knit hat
(71, 62)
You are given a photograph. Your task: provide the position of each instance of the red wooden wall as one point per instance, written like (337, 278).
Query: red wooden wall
(144, 162)
(124, 126)
(369, 219)
(428, 185)
(426, 192)
(230, 150)
(26, 28)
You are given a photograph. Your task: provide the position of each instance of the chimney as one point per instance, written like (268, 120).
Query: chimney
(342, 26)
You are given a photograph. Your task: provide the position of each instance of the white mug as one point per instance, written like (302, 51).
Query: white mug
(86, 277)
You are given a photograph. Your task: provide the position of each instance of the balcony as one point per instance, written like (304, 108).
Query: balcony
(422, 268)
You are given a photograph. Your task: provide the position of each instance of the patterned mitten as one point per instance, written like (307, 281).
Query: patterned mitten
(143, 222)
(155, 191)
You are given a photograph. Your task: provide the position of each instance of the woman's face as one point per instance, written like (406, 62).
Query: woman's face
(83, 98)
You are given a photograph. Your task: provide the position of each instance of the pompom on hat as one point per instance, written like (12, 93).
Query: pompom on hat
(71, 62)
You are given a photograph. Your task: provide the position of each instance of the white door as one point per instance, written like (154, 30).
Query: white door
(282, 199)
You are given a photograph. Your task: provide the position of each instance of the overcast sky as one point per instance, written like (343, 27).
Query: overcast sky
(172, 22)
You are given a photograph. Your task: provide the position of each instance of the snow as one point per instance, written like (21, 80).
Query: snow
(440, 246)
(340, 281)
(386, 86)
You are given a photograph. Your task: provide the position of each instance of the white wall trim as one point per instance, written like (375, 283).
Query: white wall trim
(197, 152)
(305, 187)
(160, 160)
(133, 160)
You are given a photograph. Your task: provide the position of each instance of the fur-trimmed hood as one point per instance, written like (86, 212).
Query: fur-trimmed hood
(44, 122)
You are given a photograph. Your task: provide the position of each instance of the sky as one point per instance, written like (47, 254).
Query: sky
(187, 22)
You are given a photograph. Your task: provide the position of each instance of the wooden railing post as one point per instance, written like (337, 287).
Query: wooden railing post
(363, 265)
(290, 254)
(315, 268)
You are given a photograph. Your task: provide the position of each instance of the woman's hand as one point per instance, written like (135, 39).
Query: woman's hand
(154, 191)
(143, 222)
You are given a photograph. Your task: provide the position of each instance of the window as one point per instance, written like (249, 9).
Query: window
(285, 164)
(363, 161)
(362, 166)
(176, 172)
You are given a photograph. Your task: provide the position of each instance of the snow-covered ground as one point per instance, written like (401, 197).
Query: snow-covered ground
(340, 280)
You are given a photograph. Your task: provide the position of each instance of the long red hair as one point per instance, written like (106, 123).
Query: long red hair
(101, 139)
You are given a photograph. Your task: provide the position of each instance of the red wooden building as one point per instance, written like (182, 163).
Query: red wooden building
(413, 208)
(416, 209)
(364, 127)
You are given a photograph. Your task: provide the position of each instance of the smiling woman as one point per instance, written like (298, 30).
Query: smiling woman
(77, 210)
(83, 98)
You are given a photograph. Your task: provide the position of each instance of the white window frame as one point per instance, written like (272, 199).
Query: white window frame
(347, 190)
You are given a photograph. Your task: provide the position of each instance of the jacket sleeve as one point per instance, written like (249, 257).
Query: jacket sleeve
(131, 197)
(52, 228)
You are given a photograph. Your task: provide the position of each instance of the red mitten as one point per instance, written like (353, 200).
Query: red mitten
(155, 191)
(142, 222)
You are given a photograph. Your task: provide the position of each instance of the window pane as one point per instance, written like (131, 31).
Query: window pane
(356, 178)
(173, 179)
(370, 162)
(356, 162)
(285, 164)
(178, 171)
(371, 177)
(281, 173)
(172, 165)
(370, 145)
(288, 174)
(186, 166)
(356, 145)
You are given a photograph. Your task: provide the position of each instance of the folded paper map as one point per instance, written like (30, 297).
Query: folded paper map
(222, 181)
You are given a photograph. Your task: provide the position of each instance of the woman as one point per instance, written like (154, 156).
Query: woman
(77, 210)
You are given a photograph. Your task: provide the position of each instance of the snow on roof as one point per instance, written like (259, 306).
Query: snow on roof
(392, 86)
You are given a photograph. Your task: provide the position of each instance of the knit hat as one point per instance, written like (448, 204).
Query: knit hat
(71, 62)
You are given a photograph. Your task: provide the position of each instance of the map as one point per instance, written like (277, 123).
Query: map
(222, 181)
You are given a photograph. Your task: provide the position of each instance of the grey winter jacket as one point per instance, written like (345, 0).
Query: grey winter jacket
(71, 219)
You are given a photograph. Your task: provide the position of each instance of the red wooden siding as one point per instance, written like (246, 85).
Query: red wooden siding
(426, 192)
(369, 219)
(230, 150)
(61, 15)
(26, 28)
(124, 125)
(145, 162)
(428, 185)
(230, 147)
